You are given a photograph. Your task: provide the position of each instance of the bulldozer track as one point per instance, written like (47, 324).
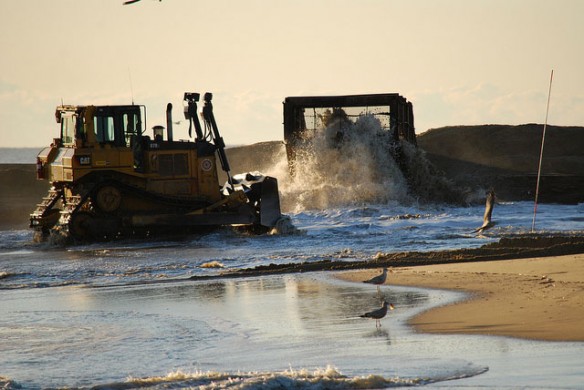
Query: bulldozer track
(46, 204)
(101, 217)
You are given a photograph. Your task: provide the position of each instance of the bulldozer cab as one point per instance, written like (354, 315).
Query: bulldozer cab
(88, 126)
(117, 125)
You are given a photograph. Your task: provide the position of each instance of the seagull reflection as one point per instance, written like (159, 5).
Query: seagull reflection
(379, 333)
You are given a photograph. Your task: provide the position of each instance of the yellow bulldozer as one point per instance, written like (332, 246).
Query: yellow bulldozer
(109, 179)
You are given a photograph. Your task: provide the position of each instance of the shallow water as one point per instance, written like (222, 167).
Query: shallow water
(95, 315)
(188, 333)
(350, 233)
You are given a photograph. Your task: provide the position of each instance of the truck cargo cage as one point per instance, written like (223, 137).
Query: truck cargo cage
(304, 115)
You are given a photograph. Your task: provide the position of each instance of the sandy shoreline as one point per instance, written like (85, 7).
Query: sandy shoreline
(534, 298)
(529, 287)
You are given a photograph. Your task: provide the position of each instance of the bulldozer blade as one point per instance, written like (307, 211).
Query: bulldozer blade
(270, 202)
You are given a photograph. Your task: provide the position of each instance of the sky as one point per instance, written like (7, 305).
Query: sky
(460, 62)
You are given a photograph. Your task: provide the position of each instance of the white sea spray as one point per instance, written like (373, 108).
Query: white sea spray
(356, 163)
(357, 170)
(320, 378)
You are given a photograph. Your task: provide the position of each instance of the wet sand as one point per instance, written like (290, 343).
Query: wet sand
(534, 298)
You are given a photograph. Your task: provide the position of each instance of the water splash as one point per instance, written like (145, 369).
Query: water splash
(345, 164)
(356, 163)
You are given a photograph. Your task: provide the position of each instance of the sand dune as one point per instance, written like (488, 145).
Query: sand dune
(507, 157)
(19, 194)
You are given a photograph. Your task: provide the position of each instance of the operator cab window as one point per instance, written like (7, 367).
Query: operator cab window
(104, 128)
(131, 123)
(117, 125)
(68, 128)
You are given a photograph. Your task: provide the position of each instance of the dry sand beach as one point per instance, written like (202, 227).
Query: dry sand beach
(535, 298)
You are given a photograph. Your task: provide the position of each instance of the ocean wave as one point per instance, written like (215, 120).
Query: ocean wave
(327, 378)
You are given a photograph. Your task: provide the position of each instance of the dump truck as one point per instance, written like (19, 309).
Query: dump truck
(304, 116)
(109, 179)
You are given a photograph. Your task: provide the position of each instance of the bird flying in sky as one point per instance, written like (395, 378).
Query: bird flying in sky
(132, 1)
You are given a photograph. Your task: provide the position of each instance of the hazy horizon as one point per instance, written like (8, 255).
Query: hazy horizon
(459, 62)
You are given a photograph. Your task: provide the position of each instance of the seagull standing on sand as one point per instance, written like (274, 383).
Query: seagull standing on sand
(379, 279)
(378, 314)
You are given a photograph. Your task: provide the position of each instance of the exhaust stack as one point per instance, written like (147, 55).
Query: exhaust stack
(169, 121)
